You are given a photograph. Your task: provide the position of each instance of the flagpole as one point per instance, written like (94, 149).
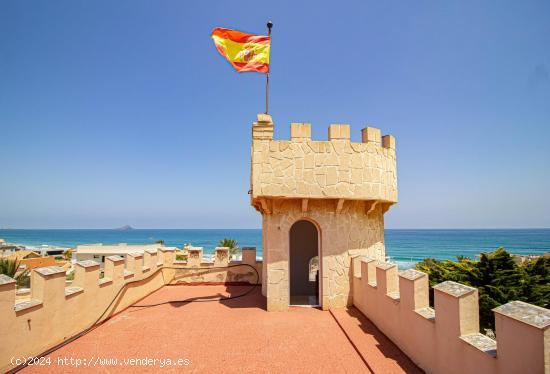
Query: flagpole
(269, 26)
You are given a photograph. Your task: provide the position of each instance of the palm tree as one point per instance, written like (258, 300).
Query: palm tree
(232, 245)
(67, 255)
(10, 267)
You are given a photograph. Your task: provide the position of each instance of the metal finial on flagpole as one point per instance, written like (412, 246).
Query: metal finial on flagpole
(269, 26)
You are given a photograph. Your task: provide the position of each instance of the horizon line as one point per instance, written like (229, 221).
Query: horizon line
(259, 228)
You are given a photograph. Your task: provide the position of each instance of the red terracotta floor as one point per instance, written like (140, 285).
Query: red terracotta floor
(234, 336)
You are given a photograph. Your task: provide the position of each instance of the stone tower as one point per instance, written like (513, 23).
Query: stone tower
(322, 203)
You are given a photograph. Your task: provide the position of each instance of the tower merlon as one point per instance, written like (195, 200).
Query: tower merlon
(338, 132)
(262, 129)
(371, 135)
(300, 132)
(388, 141)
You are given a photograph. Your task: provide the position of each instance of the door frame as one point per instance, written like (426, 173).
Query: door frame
(319, 255)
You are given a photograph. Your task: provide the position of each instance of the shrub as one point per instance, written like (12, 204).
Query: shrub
(497, 276)
(10, 267)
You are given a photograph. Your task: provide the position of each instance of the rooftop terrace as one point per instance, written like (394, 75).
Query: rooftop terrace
(240, 335)
(236, 335)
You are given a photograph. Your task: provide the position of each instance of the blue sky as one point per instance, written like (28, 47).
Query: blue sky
(123, 112)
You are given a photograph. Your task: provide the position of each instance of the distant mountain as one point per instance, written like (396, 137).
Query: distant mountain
(125, 228)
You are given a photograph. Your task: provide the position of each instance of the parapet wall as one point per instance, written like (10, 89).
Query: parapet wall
(56, 312)
(221, 271)
(337, 168)
(446, 339)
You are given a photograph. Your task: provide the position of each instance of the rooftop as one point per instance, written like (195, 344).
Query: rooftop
(237, 335)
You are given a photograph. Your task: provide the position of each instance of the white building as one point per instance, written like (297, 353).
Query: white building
(98, 252)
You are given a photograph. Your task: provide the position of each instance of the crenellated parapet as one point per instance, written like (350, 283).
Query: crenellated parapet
(56, 311)
(333, 169)
(221, 270)
(446, 338)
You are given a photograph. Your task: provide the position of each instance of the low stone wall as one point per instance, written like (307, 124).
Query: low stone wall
(55, 313)
(220, 271)
(446, 339)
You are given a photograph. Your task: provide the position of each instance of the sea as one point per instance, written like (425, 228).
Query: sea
(406, 247)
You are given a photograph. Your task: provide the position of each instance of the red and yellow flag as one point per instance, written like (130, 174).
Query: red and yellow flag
(246, 52)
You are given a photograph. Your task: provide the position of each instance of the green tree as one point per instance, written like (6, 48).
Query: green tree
(160, 241)
(231, 244)
(67, 255)
(10, 267)
(497, 277)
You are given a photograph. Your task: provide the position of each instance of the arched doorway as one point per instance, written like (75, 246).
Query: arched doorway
(304, 264)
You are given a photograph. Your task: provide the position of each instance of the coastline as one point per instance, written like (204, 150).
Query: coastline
(404, 246)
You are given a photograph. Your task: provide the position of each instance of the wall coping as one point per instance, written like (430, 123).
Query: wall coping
(167, 249)
(454, 289)
(26, 304)
(385, 265)
(531, 314)
(427, 312)
(411, 274)
(73, 290)
(88, 263)
(481, 342)
(50, 270)
(115, 258)
(4, 279)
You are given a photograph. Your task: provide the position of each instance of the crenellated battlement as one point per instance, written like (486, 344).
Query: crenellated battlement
(56, 311)
(446, 338)
(330, 169)
(221, 270)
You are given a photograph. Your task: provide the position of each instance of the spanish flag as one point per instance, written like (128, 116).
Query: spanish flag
(246, 52)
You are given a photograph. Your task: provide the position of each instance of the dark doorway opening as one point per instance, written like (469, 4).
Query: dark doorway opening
(304, 264)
